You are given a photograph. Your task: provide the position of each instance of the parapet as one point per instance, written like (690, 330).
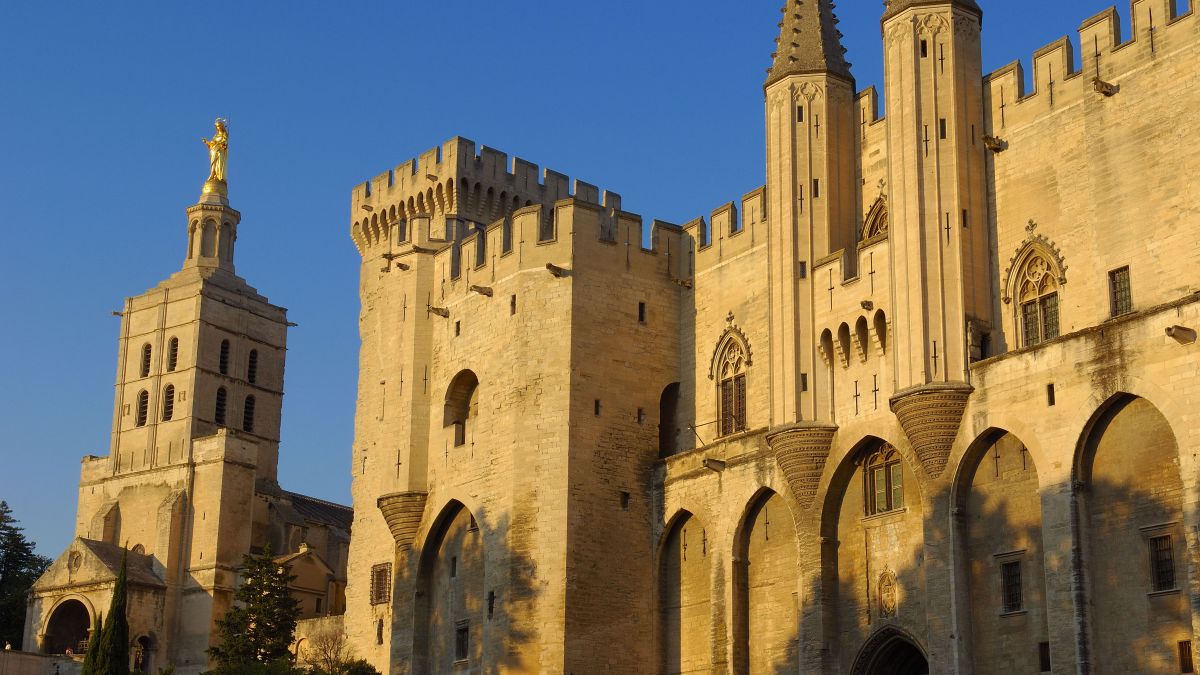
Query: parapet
(1157, 28)
(458, 180)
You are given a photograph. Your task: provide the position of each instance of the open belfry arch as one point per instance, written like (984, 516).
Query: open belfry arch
(854, 421)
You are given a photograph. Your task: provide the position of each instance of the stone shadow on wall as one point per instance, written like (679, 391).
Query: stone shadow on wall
(470, 593)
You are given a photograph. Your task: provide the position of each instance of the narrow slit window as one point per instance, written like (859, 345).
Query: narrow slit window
(219, 411)
(816, 188)
(252, 367)
(1185, 657)
(168, 403)
(147, 352)
(1050, 394)
(942, 128)
(1044, 657)
(596, 407)
(641, 312)
(512, 305)
(223, 362)
(143, 408)
(799, 113)
(172, 355)
(248, 415)
(924, 48)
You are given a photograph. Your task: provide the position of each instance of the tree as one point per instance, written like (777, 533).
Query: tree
(330, 654)
(93, 650)
(112, 653)
(260, 625)
(19, 568)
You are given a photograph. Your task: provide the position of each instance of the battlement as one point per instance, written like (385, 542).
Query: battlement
(458, 180)
(1157, 29)
(731, 229)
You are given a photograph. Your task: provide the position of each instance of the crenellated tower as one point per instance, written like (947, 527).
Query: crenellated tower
(939, 249)
(811, 169)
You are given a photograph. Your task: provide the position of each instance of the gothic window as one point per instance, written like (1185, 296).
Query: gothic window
(248, 415)
(223, 363)
(168, 403)
(143, 407)
(1120, 299)
(732, 389)
(172, 355)
(147, 351)
(219, 412)
(876, 222)
(883, 475)
(381, 583)
(1037, 293)
(252, 367)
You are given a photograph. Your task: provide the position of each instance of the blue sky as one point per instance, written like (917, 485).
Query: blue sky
(103, 108)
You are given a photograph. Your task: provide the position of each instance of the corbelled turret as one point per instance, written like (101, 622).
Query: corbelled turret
(894, 7)
(809, 42)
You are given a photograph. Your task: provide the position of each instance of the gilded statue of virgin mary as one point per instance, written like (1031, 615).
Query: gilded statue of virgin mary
(218, 151)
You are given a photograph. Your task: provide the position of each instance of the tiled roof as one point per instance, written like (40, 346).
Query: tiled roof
(320, 511)
(140, 568)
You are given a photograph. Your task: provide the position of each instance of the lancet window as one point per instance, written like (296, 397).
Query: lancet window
(1037, 292)
(883, 478)
(732, 388)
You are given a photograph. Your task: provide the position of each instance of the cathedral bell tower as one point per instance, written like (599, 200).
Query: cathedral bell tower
(939, 243)
(811, 169)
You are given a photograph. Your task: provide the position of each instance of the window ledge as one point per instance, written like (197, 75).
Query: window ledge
(1169, 591)
(884, 515)
(1018, 612)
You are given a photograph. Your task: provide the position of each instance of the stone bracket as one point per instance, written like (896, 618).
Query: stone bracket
(801, 451)
(402, 511)
(930, 415)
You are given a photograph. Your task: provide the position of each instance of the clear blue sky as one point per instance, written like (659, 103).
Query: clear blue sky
(103, 106)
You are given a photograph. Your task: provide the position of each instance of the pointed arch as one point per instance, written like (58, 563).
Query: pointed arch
(450, 601)
(1034, 247)
(766, 558)
(685, 596)
(731, 361)
(876, 222)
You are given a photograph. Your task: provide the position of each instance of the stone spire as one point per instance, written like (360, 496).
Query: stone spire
(894, 7)
(809, 42)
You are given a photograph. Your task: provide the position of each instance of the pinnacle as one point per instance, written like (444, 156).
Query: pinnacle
(809, 42)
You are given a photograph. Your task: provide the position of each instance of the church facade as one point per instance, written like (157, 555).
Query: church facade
(924, 402)
(190, 482)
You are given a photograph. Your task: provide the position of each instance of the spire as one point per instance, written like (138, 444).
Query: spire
(809, 42)
(894, 7)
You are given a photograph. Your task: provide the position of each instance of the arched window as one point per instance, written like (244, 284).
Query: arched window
(143, 407)
(252, 367)
(147, 352)
(732, 389)
(876, 222)
(248, 415)
(883, 481)
(460, 404)
(172, 355)
(1037, 293)
(224, 360)
(219, 412)
(168, 410)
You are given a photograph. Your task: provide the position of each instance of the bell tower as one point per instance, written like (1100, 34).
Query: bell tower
(939, 244)
(811, 160)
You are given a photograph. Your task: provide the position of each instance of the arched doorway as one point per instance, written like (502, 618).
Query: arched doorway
(143, 654)
(766, 603)
(68, 628)
(891, 652)
(685, 598)
(450, 604)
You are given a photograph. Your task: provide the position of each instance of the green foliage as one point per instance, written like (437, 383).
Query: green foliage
(356, 667)
(112, 653)
(93, 650)
(19, 568)
(260, 625)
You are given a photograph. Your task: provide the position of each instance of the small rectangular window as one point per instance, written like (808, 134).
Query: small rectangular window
(1044, 657)
(512, 305)
(596, 407)
(800, 113)
(965, 220)
(460, 434)
(491, 602)
(1185, 657)
(641, 415)
(942, 128)
(1010, 581)
(624, 499)
(641, 312)
(802, 269)
(803, 381)
(381, 583)
(924, 49)
(816, 190)
(453, 567)
(1050, 394)
(462, 640)
(457, 328)
(318, 608)
(1120, 299)
(1162, 563)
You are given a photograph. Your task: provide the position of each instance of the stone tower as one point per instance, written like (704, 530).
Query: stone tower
(195, 441)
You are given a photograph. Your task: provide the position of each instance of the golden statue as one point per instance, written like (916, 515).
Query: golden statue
(218, 155)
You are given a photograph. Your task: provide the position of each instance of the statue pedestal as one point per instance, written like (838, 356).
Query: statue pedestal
(215, 192)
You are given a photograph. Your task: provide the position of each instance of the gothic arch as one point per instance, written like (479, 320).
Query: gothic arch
(450, 590)
(893, 648)
(765, 584)
(684, 585)
(1035, 247)
(876, 222)
(732, 335)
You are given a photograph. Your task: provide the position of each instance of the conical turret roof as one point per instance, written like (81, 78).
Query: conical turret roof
(894, 7)
(809, 42)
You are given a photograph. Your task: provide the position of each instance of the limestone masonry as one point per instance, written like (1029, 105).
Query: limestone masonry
(927, 401)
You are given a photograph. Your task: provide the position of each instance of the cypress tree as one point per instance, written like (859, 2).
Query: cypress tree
(89, 661)
(112, 657)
